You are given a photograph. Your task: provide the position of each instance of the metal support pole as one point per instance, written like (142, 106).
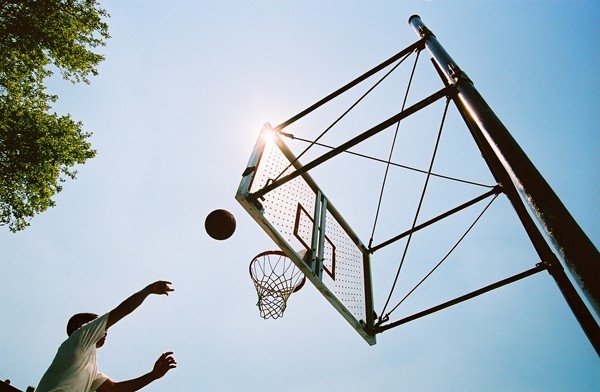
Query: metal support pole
(513, 169)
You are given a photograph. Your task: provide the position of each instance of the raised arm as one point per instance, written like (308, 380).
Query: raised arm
(132, 303)
(162, 365)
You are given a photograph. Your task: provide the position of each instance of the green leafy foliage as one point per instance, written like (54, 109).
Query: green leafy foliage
(38, 148)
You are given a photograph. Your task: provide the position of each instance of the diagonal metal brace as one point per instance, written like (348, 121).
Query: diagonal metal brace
(444, 92)
(538, 268)
(494, 191)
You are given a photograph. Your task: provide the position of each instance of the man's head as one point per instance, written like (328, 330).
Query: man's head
(77, 320)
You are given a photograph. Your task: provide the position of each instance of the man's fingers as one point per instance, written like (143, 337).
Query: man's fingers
(166, 287)
(164, 363)
(167, 357)
(161, 287)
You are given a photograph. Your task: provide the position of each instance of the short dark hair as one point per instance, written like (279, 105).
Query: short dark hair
(77, 320)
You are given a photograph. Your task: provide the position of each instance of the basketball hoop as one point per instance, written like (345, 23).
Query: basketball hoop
(275, 278)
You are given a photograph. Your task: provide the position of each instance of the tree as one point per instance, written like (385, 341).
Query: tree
(38, 148)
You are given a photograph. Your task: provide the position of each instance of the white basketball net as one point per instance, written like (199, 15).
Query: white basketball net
(275, 278)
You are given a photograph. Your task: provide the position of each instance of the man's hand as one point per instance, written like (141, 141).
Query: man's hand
(159, 287)
(163, 364)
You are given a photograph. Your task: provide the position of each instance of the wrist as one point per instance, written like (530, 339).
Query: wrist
(146, 291)
(154, 375)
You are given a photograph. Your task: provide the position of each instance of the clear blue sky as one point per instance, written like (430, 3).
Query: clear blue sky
(175, 111)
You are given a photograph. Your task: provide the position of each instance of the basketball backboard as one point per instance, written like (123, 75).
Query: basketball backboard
(301, 220)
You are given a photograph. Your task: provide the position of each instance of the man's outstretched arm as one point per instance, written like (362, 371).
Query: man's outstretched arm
(132, 303)
(162, 365)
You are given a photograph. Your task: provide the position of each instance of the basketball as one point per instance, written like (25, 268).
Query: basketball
(220, 224)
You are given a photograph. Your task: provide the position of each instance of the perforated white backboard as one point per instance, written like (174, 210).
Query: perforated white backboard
(298, 217)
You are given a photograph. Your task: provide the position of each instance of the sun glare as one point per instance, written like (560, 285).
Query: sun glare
(268, 133)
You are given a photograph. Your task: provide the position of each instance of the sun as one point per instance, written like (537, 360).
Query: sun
(268, 134)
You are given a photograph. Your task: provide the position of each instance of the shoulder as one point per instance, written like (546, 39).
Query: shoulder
(97, 323)
(88, 334)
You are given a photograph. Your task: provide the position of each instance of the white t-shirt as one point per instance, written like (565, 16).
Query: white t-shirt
(74, 366)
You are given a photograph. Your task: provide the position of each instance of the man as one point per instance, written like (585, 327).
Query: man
(74, 366)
